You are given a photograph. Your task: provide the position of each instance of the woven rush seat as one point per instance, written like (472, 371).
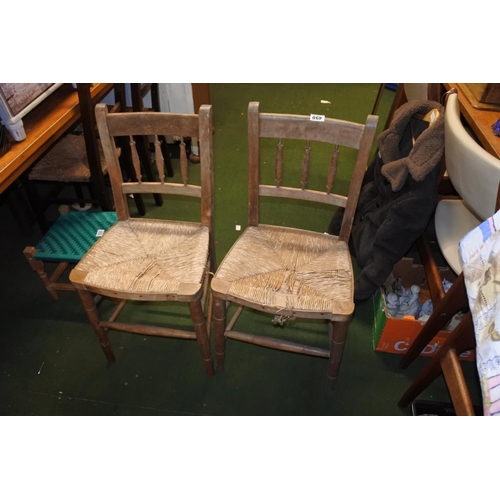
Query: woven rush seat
(147, 258)
(66, 162)
(288, 271)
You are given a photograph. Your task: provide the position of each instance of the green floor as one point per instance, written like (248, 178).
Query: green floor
(51, 363)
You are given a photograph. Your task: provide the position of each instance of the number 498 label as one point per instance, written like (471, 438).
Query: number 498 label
(317, 118)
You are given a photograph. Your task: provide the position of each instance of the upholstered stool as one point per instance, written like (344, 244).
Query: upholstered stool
(66, 242)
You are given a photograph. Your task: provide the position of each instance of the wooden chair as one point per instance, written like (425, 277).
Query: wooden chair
(289, 272)
(149, 259)
(475, 174)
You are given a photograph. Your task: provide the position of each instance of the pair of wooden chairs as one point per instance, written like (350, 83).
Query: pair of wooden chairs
(284, 271)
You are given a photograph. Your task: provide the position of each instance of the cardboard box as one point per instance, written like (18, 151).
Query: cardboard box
(395, 335)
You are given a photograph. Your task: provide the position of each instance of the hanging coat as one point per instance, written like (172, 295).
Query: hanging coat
(398, 197)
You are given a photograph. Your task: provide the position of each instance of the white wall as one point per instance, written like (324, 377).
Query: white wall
(176, 97)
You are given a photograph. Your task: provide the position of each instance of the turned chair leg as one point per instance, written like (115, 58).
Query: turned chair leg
(219, 318)
(446, 362)
(338, 333)
(452, 302)
(200, 328)
(95, 319)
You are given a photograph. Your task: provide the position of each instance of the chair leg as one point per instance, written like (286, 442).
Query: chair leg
(39, 268)
(459, 340)
(95, 319)
(457, 386)
(200, 328)
(450, 304)
(219, 318)
(338, 333)
(80, 198)
(38, 208)
(169, 169)
(144, 155)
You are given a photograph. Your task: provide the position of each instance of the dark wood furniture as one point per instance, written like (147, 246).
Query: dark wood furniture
(78, 161)
(461, 152)
(74, 160)
(44, 127)
(480, 120)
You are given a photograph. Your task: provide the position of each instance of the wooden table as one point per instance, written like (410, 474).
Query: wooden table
(44, 125)
(479, 120)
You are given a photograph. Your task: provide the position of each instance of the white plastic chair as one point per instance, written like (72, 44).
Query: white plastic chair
(475, 174)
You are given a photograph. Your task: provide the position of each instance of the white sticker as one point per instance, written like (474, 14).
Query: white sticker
(317, 118)
(238, 227)
(99, 233)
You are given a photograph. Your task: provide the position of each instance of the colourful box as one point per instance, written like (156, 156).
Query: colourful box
(394, 335)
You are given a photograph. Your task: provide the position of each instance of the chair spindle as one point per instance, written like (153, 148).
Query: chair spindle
(135, 159)
(332, 170)
(160, 161)
(279, 163)
(305, 164)
(183, 162)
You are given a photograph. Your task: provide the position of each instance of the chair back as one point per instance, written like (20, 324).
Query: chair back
(158, 124)
(422, 91)
(474, 172)
(305, 128)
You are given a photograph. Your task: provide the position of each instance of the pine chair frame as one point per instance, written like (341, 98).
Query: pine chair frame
(155, 124)
(281, 126)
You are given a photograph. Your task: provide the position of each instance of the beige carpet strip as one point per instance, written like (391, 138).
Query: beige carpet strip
(147, 256)
(288, 268)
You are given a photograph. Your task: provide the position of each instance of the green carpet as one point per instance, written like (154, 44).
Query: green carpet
(51, 363)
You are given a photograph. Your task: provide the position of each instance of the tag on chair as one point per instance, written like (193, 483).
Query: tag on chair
(429, 117)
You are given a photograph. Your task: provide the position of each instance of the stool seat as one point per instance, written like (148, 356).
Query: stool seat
(66, 162)
(72, 235)
(66, 242)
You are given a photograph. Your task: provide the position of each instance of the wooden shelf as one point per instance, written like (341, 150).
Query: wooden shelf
(480, 120)
(44, 125)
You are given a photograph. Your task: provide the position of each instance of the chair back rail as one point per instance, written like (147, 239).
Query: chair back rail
(331, 131)
(135, 124)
